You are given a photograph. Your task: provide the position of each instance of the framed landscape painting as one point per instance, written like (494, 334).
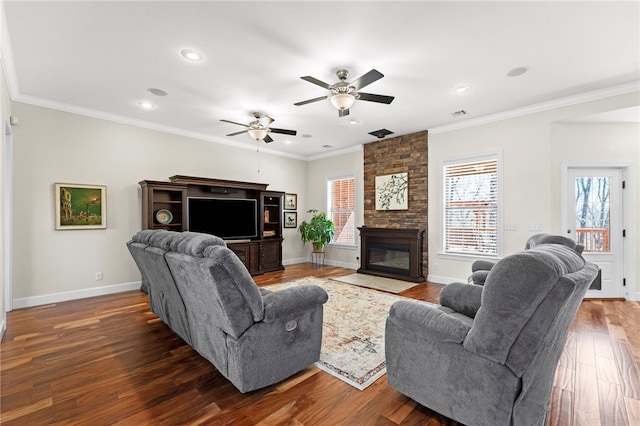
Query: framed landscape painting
(80, 206)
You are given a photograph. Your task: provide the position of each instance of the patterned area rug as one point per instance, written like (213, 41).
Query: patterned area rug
(353, 330)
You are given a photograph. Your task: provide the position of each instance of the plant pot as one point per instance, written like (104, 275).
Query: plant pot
(317, 247)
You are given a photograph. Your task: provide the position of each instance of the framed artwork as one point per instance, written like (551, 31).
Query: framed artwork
(392, 192)
(290, 219)
(290, 201)
(80, 206)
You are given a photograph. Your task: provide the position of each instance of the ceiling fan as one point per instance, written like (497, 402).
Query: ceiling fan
(259, 128)
(344, 94)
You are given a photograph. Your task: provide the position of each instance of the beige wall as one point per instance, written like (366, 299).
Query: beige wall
(53, 146)
(533, 148)
(315, 197)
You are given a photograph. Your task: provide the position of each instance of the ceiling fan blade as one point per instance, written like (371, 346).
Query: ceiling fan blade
(233, 122)
(283, 131)
(367, 79)
(267, 139)
(343, 112)
(308, 101)
(375, 98)
(316, 81)
(237, 133)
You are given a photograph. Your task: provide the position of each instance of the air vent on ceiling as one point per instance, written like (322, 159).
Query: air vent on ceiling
(381, 133)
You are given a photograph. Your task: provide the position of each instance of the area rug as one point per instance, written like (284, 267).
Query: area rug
(353, 330)
(379, 283)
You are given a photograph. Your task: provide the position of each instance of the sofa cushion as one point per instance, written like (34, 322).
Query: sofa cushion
(234, 285)
(194, 243)
(143, 236)
(162, 239)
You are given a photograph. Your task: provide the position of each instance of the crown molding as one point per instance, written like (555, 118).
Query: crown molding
(354, 148)
(543, 106)
(87, 112)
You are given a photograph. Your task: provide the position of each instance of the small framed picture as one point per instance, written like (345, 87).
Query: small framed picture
(80, 206)
(290, 219)
(290, 201)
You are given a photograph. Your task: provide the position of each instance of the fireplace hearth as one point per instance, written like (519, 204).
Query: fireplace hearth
(392, 253)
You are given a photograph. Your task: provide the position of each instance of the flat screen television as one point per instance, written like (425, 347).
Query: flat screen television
(227, 218)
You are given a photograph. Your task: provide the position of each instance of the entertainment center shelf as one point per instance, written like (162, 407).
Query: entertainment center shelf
(248, 216)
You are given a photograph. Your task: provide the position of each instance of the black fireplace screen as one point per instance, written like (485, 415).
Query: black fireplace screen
(392, 258)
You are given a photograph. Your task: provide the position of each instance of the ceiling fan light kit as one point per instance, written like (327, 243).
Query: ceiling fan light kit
(257, 134)
(342, 101)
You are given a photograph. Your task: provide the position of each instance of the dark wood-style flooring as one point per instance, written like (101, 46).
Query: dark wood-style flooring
(109, 361)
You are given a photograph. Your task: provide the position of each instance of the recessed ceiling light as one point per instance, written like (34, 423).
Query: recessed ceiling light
(353, 122)
(288, 142)
(146, 105)
(517, 71)
(462, 89)
(191, 55)
(157, 92)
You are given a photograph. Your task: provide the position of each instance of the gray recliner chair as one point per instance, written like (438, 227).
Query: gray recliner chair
(488, 354)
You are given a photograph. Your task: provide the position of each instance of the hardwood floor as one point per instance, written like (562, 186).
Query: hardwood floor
(109, 360)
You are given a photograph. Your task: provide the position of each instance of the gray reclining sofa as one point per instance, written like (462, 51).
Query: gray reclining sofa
(204, 293)
(488, 354)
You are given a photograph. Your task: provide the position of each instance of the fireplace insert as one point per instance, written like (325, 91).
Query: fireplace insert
(392, 253)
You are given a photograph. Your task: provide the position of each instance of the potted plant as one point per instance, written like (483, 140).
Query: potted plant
(319, 230)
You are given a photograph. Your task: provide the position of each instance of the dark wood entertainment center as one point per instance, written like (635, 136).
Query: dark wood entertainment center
(260, 254)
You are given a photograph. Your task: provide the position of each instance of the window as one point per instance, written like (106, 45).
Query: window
(341, 208)
(471, 199)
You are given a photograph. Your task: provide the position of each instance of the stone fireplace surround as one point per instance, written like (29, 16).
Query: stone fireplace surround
(392, 253)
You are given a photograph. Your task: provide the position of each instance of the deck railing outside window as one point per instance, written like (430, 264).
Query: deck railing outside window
(593, 239)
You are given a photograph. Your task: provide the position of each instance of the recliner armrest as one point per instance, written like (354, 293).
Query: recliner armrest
(482, 265)
(291, 300)
(428, 322)
(463, 298)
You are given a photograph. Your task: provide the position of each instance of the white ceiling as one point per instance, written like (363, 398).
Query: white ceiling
(100, 57)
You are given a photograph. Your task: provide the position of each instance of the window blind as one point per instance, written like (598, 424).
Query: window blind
(471, 207)
(341, 194)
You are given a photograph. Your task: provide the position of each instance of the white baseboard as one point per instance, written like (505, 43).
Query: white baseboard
(444, 280)
(327, 262)
(46, 299)
(295, 261)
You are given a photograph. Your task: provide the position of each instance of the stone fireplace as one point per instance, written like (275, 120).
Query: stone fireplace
(401, 154)
(391, 253)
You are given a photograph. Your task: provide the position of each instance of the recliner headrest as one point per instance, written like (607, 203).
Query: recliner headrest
(539, 239)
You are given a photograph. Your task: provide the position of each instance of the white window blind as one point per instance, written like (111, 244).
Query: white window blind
(471, 207)
(341, 209)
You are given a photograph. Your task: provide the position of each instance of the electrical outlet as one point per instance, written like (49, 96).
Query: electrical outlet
(536, 227)
(99, 276)
(510, 227)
